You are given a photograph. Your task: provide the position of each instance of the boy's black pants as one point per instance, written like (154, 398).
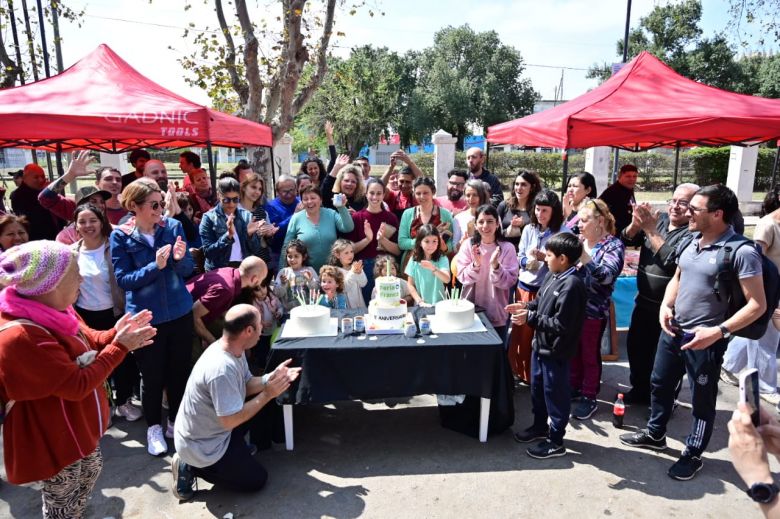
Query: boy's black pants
(550, 395)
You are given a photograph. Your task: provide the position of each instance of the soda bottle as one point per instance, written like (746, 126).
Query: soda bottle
(618, 410)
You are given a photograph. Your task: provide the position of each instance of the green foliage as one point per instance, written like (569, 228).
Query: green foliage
(362, 96)
(672, 33)
(467, 79)
(711, 165)
(762, 16)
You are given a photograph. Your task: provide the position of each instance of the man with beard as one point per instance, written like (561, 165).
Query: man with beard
(401, 200)
(475, 159)
(137, 159)
(24, 202)
(453, 201)
(660, 236)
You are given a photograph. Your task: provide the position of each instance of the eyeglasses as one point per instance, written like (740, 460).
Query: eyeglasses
(156, 205)
(456, 184)
(679, 203)
(286, 191)
(694, 209)
(230, 200)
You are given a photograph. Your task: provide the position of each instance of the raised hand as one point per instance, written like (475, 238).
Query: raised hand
(254, 226)
(357, 266)
(78, 166)
(477, 255)
(179, 249)
(494, 258)
(427, 264)
(368, 231)
(162, 255)
(231, 228)
(134, 338)
(136, 321)
(329, 129)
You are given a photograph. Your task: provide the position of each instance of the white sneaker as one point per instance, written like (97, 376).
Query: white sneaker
(728, 377)
(129, 412)
(169, 430)
(772, 398)
(155, 442)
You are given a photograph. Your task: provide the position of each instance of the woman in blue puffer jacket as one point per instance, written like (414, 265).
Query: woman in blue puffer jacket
(151, 260)
(228, 232)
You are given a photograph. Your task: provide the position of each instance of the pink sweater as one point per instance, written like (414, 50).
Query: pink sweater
(486, 287)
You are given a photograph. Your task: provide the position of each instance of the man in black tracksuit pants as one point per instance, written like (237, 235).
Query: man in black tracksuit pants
(557, 315)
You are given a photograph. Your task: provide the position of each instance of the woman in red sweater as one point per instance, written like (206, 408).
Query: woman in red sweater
(53, 371)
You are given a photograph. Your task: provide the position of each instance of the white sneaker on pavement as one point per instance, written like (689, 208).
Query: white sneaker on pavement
(771, 398)
(155, 442)
(129, 412)
(728, 377)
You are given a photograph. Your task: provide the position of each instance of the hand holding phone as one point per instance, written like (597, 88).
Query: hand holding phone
(748, 393)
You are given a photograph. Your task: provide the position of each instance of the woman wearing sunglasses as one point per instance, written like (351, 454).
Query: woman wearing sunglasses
(151, 260)
(229, 233)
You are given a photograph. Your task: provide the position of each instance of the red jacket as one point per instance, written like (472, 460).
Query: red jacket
(60, 410)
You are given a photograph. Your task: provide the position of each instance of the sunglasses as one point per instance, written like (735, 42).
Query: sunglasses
(156, 205)
(230, 200)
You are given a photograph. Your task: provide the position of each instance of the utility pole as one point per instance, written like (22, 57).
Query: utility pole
(625, 58)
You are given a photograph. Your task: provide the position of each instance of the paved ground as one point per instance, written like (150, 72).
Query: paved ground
(367, 460)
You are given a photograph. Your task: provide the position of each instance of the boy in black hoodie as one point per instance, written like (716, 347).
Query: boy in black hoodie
(557, 315)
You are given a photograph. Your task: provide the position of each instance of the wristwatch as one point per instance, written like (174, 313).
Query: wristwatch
(725, 331)
(763, 492)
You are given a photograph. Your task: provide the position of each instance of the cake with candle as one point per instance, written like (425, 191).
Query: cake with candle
(454, 313)
(387, 312)
(309, 320)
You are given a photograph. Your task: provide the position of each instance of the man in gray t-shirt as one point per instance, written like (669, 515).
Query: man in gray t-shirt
(696, 330)
(214, 414)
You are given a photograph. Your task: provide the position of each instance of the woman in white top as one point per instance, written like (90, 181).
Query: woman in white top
(476, 193)
(101, 302)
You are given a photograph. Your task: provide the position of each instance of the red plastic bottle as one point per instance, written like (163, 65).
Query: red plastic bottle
(618, 411)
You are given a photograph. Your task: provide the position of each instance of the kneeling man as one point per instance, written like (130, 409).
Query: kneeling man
(220, 399)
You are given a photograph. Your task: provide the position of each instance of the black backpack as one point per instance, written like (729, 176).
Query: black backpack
(727, 284)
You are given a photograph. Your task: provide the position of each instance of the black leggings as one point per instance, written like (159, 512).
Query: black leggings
(124, 376)
(166, 364)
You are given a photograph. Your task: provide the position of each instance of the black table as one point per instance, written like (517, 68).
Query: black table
(348, 368)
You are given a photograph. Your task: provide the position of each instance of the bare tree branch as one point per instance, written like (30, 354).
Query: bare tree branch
(239, 86)
(10, 67)
(254, 105)
(322, 62)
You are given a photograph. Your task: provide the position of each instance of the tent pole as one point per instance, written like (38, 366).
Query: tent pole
(614, 165)
(565, 172)
(212, 169)
(775, 166)
(676, 166)
(487, 155)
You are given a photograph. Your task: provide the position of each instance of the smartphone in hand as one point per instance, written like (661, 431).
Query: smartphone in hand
(748, 393)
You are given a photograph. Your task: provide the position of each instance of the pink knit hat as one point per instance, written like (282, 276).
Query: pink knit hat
(36, 267)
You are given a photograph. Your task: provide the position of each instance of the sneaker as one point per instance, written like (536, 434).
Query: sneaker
(585, 409)
(771, 398)
(643, 439)
(184, 482)
(530, 434)
(169, 429)
(155, 442)
(546, 449)
(129, 412)
(686, 467)
(728, 377)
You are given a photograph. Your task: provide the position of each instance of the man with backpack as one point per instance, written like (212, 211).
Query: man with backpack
(697, 322)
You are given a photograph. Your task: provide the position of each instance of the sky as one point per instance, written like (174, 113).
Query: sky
(555, 37)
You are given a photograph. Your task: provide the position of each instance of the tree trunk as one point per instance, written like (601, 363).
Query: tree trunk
(260, 160)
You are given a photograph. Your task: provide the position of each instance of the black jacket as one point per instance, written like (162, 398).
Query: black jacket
(496, 192)
(557, 314)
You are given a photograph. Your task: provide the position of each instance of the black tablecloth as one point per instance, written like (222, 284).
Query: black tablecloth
(346, 368)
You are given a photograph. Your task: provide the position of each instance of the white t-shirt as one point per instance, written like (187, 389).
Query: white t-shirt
(95, 290)
(235, 250)
(149, 238)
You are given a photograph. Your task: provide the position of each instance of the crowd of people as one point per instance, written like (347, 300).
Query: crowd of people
(174, 294)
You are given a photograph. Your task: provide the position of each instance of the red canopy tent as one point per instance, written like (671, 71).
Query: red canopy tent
(647, 105)
(102, 103)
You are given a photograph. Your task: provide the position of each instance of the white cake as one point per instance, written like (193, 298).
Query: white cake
(388, 310)
(455, 314)
(309, 320)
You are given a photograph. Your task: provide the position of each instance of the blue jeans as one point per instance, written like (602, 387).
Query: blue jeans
(550, 395)
(703, 370)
